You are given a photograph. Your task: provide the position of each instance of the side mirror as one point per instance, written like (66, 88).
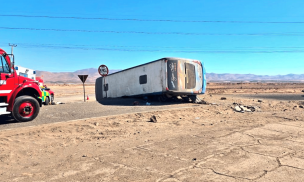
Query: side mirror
(12, 60)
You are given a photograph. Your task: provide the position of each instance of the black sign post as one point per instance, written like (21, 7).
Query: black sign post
(83, 79)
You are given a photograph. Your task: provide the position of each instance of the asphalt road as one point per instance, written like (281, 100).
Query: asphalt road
(273, 96)
(82, 110)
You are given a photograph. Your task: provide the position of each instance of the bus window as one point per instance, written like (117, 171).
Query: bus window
(190, 76)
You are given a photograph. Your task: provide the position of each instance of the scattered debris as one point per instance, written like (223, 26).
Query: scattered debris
(247, 109)
(237, 108)
(204, 102)
(201, 102)
(57, 103)
(135, 103)
(242, 108)
(223, 98)
(153, 119)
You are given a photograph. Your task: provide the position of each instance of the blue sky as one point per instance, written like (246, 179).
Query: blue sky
(223, 47)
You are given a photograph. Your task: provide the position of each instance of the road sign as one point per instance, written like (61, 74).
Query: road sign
(83, 78)
(103, 70)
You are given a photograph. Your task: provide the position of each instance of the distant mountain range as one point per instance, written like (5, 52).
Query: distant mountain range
(252, 77)
(72, 77)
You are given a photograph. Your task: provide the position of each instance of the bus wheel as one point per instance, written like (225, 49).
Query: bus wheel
(174, 99)
(195, 99)
(186, 99)
(26, 108)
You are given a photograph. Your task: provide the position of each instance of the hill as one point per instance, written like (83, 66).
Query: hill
(71, 77)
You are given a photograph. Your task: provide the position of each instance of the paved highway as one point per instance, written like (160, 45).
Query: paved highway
(273, 96)
(81, 110)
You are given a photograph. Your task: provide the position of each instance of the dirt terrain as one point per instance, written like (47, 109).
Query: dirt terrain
(188, 142)
(74, 92)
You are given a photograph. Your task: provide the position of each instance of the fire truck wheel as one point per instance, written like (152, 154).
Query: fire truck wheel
(26, 108)
(47, 101)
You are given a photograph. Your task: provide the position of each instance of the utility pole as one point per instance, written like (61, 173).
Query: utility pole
(12, 45)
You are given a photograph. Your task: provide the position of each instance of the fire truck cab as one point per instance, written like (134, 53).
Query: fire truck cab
(19, 95)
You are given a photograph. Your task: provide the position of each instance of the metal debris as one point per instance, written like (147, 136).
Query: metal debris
(237, 108)
(242, 108)
(153, 119)
(57, 103)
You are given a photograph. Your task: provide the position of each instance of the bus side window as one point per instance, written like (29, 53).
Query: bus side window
(106, 87)
(143, 79)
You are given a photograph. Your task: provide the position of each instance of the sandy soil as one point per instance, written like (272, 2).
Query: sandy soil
(203, 143)
(74, 92)
(226, 88)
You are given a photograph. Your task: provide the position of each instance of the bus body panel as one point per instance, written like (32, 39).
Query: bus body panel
(141, 80)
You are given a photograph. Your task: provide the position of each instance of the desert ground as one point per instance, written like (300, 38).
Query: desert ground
(78, 141)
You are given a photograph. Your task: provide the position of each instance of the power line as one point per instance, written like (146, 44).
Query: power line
(238, 51)
(157, 33)
(152, 20)
(149, 46)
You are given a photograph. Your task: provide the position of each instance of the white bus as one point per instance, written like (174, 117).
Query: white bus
(166, 77)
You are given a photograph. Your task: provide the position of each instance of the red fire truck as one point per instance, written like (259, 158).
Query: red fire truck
(19, 96)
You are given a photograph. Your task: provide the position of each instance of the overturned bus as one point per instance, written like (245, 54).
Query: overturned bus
(163, 78)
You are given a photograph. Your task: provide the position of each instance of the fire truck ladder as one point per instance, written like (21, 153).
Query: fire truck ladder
(3, 108)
